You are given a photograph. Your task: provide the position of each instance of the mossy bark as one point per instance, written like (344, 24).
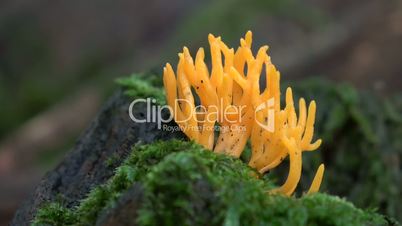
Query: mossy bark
(110, 136)
(169, 182)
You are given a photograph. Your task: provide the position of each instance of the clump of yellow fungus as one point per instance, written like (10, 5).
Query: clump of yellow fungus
(229, 96)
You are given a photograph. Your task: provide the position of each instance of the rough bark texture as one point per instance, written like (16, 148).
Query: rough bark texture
(110, 135)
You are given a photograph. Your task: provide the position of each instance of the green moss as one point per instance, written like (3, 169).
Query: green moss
(196, 187)
(54, 214)
(185, 183)
(175, 193)
(330, 210)
(112, 160)
(142, 86)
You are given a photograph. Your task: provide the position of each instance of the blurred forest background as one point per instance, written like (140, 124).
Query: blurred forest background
(59, 60)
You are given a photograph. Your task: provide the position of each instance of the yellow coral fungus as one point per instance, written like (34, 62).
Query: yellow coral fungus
(229, 96)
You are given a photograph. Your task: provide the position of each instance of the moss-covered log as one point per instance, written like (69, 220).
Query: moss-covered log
(361, 149)
(179, 181)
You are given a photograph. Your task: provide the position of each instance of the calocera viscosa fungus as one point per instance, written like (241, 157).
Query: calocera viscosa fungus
(230, 97)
